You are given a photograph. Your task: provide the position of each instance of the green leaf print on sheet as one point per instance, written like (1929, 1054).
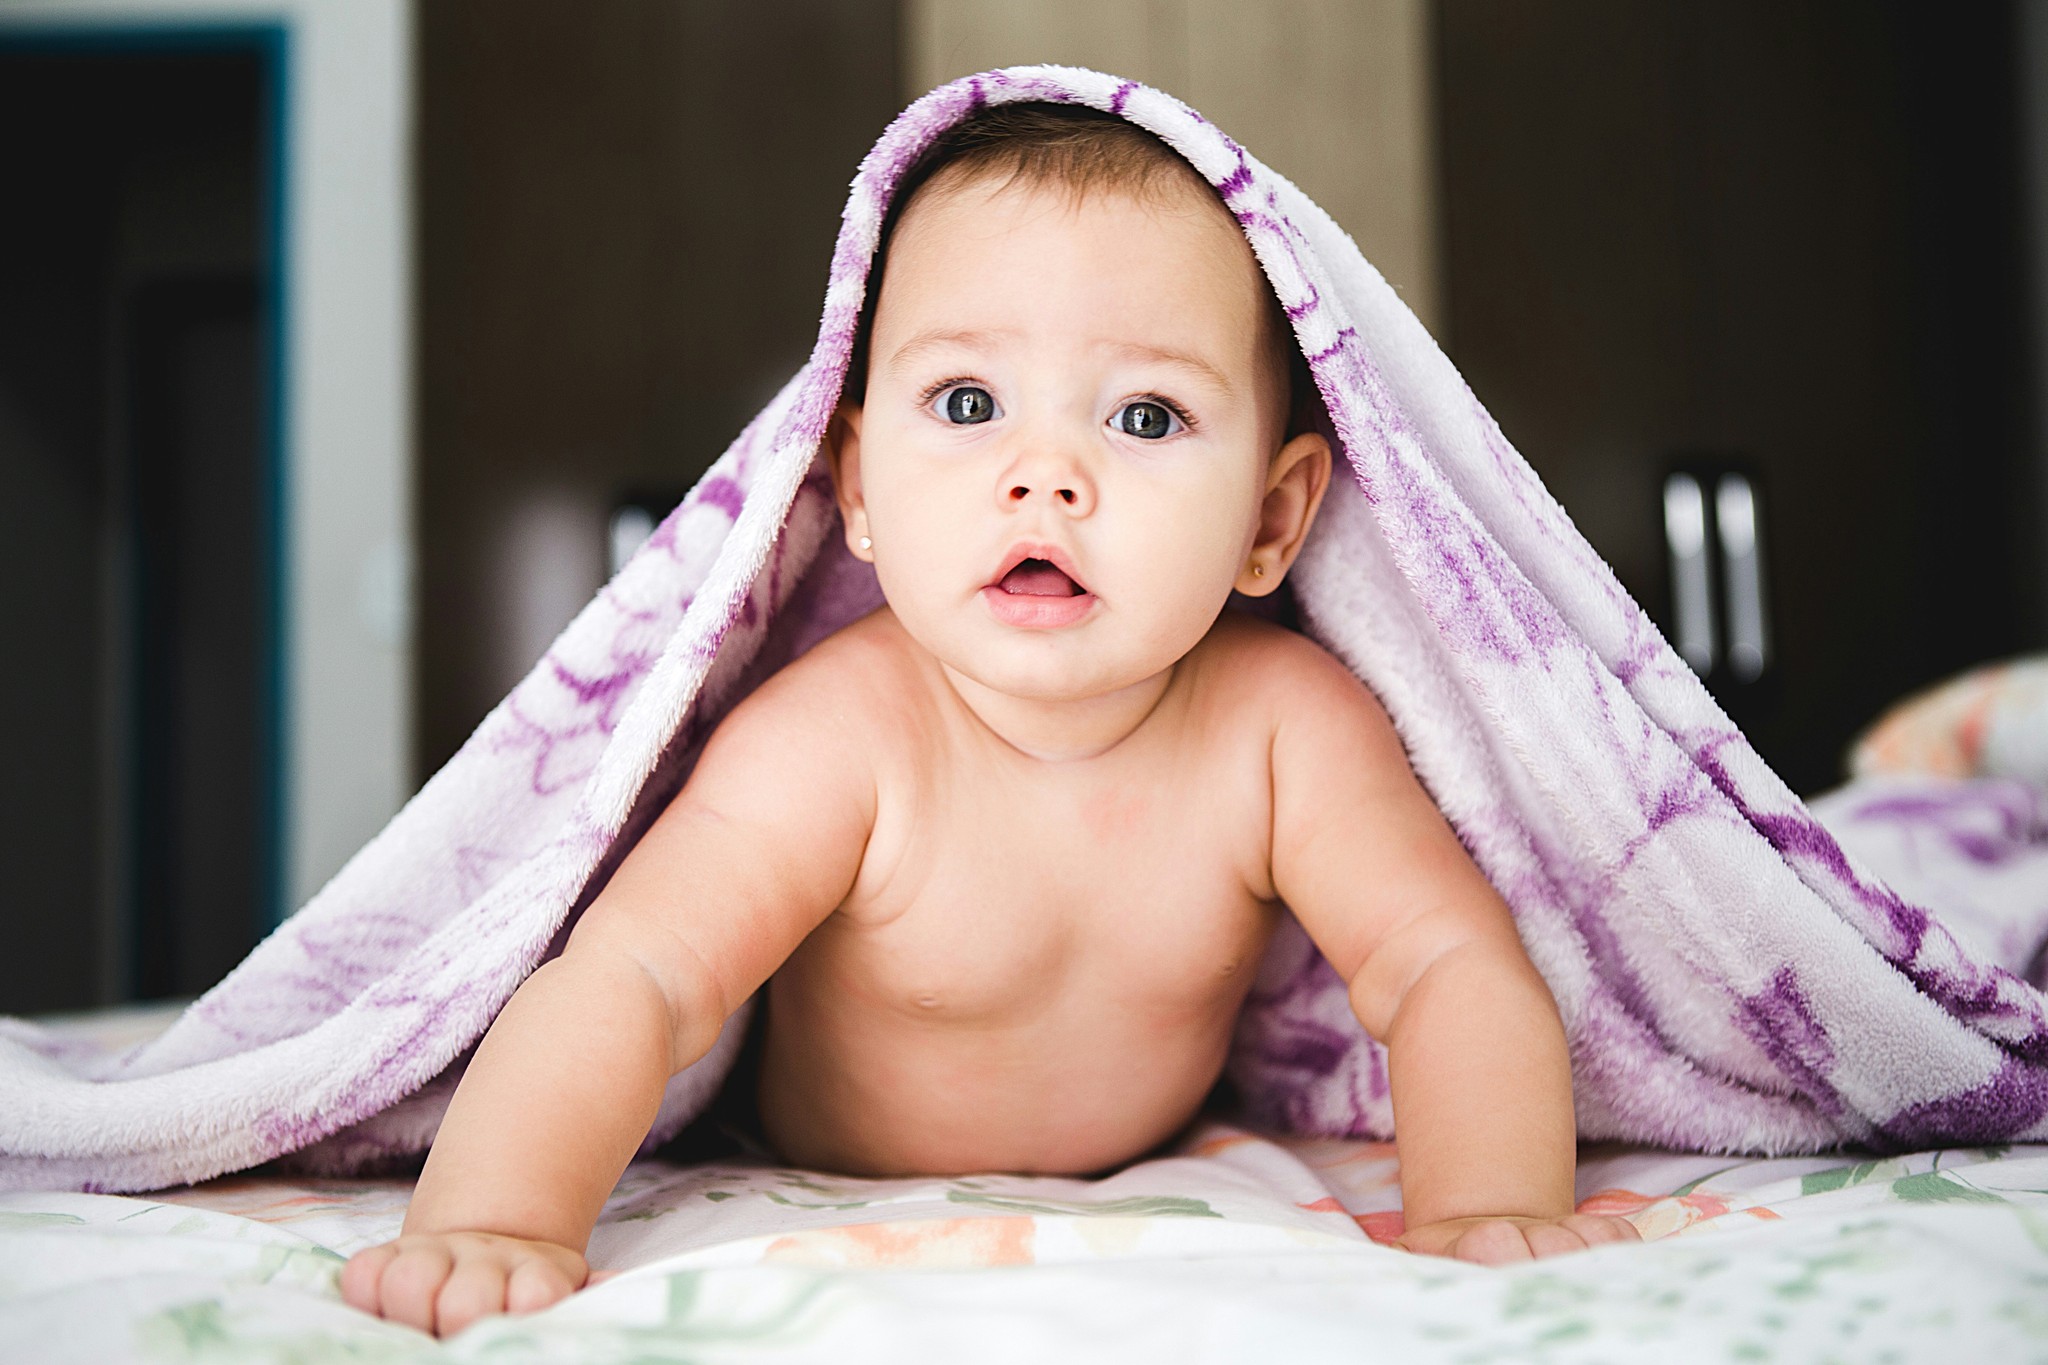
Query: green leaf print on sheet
(1910, 1186)
(188, 1331)
(1848, 1177)
(20, 1221)
(1939, 1187)
(1136, 1206)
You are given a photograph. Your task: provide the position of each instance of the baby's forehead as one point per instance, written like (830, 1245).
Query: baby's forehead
(1147, 219)
(986, 265)
(1166, 198)
(1184, 224)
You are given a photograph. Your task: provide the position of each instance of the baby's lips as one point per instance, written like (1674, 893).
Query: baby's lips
(1040, 578)
(1053, 555)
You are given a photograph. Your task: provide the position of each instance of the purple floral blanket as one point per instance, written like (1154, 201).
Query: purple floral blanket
(1729, 977)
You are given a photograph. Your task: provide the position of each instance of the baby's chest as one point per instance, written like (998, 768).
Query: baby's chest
(1139, 895)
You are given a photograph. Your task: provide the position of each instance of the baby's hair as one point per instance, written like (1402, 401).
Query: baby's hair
(1067, 145)
(1084, 151)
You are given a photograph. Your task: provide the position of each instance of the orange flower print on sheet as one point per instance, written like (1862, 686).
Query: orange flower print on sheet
(1658, 1216)
(1619, 1203)
(945, 1243)
(1383, 1227)
(1213, 1143)
(1326, 1154)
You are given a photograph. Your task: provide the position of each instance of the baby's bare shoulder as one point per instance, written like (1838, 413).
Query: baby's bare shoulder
(1282, 677)
(853, 686)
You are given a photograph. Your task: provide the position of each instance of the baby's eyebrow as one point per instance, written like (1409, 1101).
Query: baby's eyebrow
(944, 339)
(1180, 360)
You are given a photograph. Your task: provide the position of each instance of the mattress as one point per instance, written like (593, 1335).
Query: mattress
(1232, 1245)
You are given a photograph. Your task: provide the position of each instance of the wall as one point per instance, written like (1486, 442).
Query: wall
(1337, 95)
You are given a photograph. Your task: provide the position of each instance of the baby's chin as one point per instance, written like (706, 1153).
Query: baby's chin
(1051, 688)
(1049, 669)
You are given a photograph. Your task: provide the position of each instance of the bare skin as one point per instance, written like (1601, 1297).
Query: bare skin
(1006, 853)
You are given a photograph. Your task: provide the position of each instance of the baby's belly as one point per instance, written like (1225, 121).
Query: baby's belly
(1071, 1085)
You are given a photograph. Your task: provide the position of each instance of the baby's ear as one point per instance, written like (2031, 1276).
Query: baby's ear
(842, 456)
(1295, 484)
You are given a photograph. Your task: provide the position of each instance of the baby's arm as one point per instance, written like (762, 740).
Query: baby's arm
(761, 845)
(1481, 1077)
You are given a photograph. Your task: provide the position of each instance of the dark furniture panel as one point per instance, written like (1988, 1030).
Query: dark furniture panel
(1784, 238)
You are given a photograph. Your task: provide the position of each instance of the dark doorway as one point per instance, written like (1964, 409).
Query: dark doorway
(138, 495)
(1783, 241)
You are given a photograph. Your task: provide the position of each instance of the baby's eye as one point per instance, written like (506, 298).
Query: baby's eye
(967, 405)
(1145, 419)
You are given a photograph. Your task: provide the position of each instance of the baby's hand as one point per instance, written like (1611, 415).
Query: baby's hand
(442, 1282)
(1499, 1241)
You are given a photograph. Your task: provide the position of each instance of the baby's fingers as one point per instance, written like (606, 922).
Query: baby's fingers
(412, 1282)
(535, 1284)
(1600, 1229)
(1552, 1239)
(1492, 1243)
(360, 1276)
(475, 1289)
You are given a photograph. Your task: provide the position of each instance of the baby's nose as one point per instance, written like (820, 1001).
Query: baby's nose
(1069, 495)
(1043, 467)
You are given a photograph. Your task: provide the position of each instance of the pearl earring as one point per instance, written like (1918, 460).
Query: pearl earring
(866, 544)
(1258, 571)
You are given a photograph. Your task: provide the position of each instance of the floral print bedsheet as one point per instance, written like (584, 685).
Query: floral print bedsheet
(1233, 1246)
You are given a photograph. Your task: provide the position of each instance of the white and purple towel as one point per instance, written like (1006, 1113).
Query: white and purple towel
(1728, 977)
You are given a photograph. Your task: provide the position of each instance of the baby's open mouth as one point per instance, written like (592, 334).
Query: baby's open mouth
(1039, 578)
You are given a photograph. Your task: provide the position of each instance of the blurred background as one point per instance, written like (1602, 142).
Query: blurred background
(345, 345)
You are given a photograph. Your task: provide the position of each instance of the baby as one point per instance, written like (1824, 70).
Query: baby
(1006, 853)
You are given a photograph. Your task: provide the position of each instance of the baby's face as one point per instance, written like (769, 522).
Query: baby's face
(1068, 432)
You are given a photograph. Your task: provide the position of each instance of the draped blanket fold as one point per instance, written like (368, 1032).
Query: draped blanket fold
(1729, 977)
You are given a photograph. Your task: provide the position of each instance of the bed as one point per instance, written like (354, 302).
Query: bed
(1231, 1246)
